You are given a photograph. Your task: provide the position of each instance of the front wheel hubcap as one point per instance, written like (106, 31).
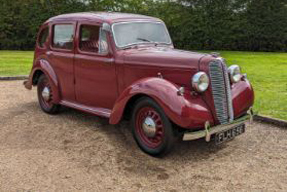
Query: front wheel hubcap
(149, 127)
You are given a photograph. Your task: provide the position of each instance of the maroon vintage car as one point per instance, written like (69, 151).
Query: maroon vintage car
(120, 66)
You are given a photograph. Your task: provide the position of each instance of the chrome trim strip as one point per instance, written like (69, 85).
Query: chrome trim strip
(228, 92)
(93, 110)
(208, 131)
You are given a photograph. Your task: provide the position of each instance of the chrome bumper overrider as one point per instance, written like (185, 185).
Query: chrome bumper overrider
(208, 131)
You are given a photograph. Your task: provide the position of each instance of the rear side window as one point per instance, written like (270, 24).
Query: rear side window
(63, 36)
(43, 37)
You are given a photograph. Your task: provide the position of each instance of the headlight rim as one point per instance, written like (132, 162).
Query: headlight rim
(196, 79)
(231, 71)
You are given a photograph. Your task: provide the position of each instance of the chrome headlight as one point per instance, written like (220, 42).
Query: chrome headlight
(234, 73)
(200, 82)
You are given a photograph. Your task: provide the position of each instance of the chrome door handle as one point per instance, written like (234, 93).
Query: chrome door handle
(109, 61)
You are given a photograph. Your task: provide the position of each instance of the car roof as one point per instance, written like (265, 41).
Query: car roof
(108, 17)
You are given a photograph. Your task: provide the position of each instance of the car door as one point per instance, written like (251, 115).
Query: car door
(95, 74)
(61, 56)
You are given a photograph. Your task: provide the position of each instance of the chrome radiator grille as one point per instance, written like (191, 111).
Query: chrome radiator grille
(221, 91)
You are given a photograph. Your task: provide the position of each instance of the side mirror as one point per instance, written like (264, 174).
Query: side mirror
(107, 27)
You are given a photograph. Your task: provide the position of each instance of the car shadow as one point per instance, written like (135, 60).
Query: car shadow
(120, 135)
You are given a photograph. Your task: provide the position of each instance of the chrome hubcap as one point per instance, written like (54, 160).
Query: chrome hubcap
(46, 94)
(149, 127)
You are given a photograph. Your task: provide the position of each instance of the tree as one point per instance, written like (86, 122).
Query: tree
(266, 25)
(257, 25)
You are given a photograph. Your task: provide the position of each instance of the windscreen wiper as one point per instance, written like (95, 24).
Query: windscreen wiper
(145, 40)
(156, 43)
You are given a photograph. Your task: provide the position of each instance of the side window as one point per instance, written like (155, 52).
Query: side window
(63, 35)
(92, 39)
(43, 37)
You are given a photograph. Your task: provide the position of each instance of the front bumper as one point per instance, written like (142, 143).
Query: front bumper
(208, 131)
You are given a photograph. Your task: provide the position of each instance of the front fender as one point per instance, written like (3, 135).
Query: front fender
(186, 111)
(242, 97)
(45, 67)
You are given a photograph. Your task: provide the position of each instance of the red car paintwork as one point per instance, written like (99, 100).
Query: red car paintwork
(106, 84)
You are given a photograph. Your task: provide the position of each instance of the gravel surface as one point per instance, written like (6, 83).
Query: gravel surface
(74, 151)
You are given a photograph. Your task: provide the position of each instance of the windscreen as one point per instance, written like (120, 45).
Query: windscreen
(140, 32)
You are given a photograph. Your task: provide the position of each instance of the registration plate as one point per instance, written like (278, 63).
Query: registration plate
(229, 134)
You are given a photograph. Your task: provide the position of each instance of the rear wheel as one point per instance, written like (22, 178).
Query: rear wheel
(151, 128)
(45, 96)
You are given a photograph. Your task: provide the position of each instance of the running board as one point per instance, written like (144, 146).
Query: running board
(93, 110)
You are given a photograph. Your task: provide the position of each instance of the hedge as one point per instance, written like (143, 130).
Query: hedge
(246, 25)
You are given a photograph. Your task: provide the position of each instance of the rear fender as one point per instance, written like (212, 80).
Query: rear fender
(45, 67)
(185, 111)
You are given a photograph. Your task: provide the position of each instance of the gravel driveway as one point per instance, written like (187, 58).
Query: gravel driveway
(74, 151)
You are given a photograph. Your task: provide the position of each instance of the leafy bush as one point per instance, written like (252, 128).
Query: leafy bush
(250, 25)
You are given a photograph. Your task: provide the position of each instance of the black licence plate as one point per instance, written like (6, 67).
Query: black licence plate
(229, 134)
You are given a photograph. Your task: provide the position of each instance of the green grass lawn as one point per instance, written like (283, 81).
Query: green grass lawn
(15, 62)
(266, 71)
(268, 75)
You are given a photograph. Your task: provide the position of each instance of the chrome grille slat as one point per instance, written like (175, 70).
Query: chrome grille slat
(228, 92)
(221, 91)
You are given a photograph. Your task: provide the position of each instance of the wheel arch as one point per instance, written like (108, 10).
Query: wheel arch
(183, 110)
(41, 67)
(127, 113)
(36, 76)
(163, 92)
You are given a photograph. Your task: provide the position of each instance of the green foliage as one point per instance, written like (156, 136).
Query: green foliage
(266, 24)
(256, 25)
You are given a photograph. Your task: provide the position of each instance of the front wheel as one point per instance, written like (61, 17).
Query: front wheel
(151, 128)
(45, 96)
